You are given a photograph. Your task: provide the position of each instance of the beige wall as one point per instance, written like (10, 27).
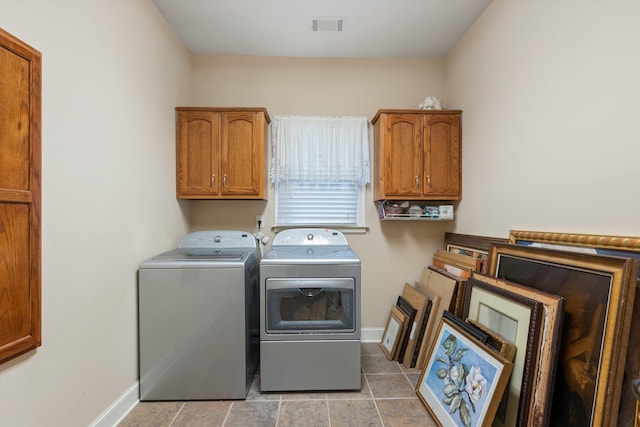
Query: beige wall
(550, 141)
(112, 73)
(392, 253)
(551, 135)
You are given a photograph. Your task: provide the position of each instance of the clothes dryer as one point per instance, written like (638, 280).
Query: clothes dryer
(310, 312)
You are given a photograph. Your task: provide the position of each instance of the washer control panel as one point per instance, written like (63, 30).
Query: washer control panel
(310, 237)
(218, 239)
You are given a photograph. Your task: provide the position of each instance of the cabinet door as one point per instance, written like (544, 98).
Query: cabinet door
(242, 153)
(402, 166)
(20, 229)
(197, 154)
(441, 178)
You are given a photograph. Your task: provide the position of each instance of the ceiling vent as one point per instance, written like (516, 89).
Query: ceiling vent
(328, 24)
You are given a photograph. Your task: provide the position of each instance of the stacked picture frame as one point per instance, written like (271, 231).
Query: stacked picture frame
(532, 321)
(612, 401)
(597, 350)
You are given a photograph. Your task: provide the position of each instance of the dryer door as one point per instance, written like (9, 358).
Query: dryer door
(310, 305)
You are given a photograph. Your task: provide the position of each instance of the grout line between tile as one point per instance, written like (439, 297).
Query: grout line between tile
(328, 410)
(176, 415)
(278, 411)
(226, 417)
(374, 401)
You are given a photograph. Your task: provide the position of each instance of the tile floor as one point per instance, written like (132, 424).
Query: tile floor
(387, 398)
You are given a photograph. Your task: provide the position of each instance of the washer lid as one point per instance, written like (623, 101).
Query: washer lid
(204, 258)
(203, 254)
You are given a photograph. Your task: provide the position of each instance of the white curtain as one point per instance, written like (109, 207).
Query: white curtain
(320, 149)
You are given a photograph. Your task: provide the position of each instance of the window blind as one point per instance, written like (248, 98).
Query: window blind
(319, 203)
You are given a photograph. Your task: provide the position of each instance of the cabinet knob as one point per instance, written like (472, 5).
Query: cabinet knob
(428, 181)
(213, 180)
(417, 182)
(224, 180)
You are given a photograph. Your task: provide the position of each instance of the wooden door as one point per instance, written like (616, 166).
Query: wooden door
(441, 180)
(197, 154)
(20, 225)
(242, 137)
(402, 156)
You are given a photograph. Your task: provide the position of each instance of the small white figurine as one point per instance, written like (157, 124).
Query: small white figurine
(431, 103)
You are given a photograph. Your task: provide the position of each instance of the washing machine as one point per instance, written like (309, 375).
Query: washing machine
(198, 318)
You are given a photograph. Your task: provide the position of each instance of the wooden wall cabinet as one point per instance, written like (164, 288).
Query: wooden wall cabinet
(221, 153)
(20, 195)
(417, 155)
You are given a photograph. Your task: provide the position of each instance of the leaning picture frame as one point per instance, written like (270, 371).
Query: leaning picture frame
(595, 335)
(393, 332)
(623, 246)
(443, 288)
(475, 246)
(499, 345)
(463, 379)
(544, 358)
(517, 318)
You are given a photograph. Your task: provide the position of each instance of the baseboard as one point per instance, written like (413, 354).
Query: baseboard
(119, 409)
(371, 334)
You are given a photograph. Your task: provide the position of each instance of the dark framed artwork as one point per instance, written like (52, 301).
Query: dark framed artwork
(475, 246)
(463, 380)
(518, 319)
(597, 320)
(623, 246)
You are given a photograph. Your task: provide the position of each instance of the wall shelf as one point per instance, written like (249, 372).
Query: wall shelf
(394, 210)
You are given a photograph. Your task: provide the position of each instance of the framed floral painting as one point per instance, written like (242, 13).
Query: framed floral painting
(463, 380)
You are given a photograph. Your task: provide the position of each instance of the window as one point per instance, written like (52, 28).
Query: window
(320, 170)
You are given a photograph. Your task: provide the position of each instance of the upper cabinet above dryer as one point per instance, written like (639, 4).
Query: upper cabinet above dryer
(221, 153)
(417, 155)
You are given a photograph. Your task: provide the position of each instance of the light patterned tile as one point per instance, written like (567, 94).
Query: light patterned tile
(202, 414)
(390, 386)
(413, 379)
(151, 414)
(409, 370)
(256, 394)
(351, 413)
(379, 365)
(371, 348)
(307, 413)
(404, 413)
(363, 393)
(252, 413)
(303, 395)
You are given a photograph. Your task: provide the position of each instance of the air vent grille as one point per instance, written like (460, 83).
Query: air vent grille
(328, 24)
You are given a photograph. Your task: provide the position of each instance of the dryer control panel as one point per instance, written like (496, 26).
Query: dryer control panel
(310, 237)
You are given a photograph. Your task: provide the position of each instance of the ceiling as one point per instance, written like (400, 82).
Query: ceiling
(370, 28)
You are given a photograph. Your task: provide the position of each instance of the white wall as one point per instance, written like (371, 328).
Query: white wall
(551, 136)
(112, 74)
